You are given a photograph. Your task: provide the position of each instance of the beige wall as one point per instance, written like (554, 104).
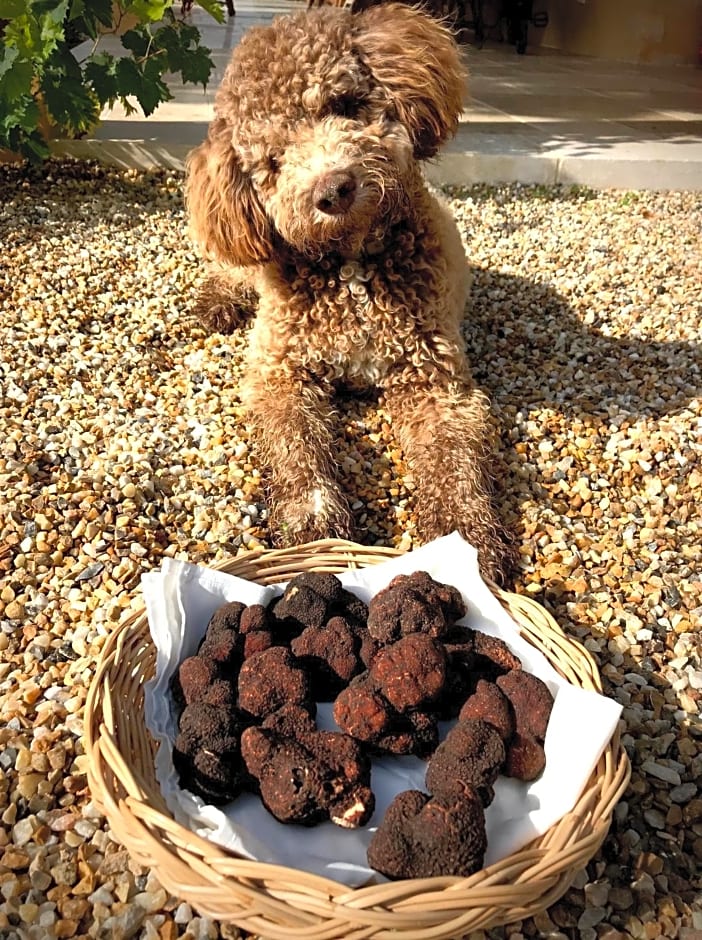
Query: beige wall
(646, 31)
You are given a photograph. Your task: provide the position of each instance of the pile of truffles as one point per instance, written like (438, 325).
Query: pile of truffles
(393, 669)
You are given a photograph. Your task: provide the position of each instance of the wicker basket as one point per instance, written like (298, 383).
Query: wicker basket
(281, 903)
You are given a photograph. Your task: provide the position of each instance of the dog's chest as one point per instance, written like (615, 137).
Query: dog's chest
(363, 321)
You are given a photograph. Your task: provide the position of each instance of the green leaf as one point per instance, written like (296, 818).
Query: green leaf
(16, 80)
(36, 53)
(50, 10)
(150, 11)
(18, 129)
(143, 83)
(101, 73)
(169, 39)
(69, 103)
(35, 148)
(9, 9)
(51, 18)
(90, 16)
(180, 42)
(214, 8)
(62, 64)
(51, 32)
(29, 145)
(22, 34)
(103, 11)
(8, 55)
(137, 40)
(198, 67)
(129, 78)
(23, 114)
(155, 89)
(36, 36)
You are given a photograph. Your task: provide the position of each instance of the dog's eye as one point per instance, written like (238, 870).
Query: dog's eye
(273, 164)
(345, 106)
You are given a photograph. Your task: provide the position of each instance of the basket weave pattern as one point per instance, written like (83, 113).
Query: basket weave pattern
(281, 903)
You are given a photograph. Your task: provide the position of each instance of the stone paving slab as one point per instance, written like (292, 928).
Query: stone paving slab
(537, 118)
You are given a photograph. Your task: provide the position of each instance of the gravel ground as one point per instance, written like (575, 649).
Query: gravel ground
(121, 442)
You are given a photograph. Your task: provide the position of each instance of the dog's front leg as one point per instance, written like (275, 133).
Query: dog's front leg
(292, 425)
(443, 428)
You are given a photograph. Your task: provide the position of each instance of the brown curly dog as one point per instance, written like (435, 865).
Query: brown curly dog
(308, 197)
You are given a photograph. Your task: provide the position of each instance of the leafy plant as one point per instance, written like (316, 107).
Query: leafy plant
(56, 77)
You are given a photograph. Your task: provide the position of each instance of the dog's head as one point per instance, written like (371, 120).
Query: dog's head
(319, 119)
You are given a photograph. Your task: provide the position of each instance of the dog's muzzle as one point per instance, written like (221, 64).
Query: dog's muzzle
(335, 192)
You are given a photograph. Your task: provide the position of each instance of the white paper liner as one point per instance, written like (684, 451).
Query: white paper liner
(180, 600)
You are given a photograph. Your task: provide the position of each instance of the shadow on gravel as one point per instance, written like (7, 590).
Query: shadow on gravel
(532, 353)
(59, 193)
(555, 360)
(538, 361)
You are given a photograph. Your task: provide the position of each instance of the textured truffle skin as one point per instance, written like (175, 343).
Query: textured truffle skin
(226, 617)
(388, 706)
(292, 721)
(301, 607)
(256, 642)
(348, 797)
(331, 656)
(532, 703)
(331, 767)
(234, 634)
(207, 753)
(470, 757)
(307, 601)
(414, 603)
(223, 647)
(423, 837)
(210, 724)
(351, 608)
(472, 656)
(492, 705)
(222, 693)
(288, 776)
(323, 583)
(255, 617)
(531, 700)
(412, 733)
(361, 711)
(460, 672)
(255, 630)
(369, 648)
(193, 679)
(499, 656)
(269, 680)
(248, 721)
(526, 758)
(411, 672)
(364, 713)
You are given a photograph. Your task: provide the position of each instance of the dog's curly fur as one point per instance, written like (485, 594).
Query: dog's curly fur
(308, 193)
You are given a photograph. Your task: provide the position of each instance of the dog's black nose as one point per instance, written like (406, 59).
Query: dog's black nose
(334, 192)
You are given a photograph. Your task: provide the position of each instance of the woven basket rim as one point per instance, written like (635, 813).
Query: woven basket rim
(281, 902)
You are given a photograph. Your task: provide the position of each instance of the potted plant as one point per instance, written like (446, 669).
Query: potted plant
(56, 76)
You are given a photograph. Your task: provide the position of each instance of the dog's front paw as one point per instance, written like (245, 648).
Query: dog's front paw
(223, 308)
(496, 554)
(221, 318)
(316, 515)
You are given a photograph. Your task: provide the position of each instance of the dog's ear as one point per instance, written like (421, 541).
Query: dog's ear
(225, 215)
(416, 60)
